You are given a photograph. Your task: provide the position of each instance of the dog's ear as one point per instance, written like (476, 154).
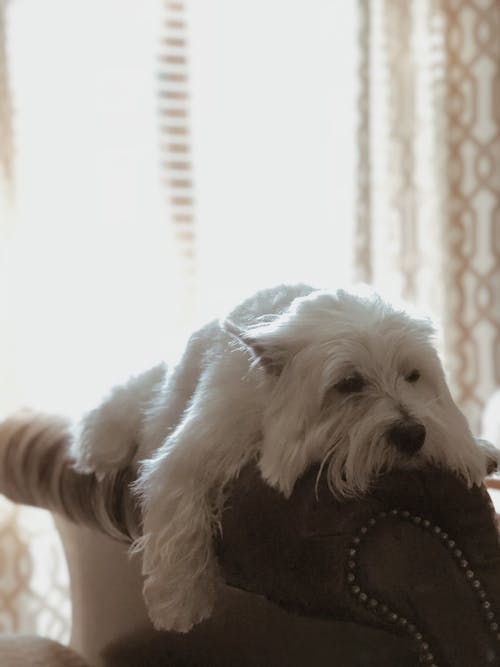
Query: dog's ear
(270, 356)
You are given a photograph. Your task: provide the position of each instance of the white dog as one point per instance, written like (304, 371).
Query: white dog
(294, 376)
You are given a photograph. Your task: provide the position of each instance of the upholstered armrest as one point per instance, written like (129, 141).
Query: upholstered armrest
(35, 470)
(418, 556)
(409, 573)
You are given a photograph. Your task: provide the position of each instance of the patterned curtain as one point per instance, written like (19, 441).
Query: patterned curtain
(34, 587)
(428, 224)
(176, 144)
(6, 134)
(34, 597)
(6, 210)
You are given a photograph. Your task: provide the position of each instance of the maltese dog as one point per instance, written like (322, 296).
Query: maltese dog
(293, 377)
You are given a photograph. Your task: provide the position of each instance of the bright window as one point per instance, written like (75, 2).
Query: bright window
(93, 283)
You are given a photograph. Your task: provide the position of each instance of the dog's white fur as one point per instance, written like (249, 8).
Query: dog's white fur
(269, 383)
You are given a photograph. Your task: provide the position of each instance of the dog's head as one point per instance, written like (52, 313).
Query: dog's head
(357, 386)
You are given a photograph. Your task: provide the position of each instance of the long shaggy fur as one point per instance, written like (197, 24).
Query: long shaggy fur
(294, 376)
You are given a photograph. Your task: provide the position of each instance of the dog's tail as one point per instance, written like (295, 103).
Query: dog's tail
(35, 469)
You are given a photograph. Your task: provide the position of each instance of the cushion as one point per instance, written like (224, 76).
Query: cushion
(24, 650)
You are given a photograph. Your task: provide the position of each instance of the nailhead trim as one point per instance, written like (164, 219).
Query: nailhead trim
(364, 598)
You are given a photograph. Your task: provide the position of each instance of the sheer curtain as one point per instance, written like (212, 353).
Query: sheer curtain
(168, 158)
(273, 122)
(91, 269)
(87, 263)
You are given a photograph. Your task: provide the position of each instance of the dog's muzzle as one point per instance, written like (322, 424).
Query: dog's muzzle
(408, 437)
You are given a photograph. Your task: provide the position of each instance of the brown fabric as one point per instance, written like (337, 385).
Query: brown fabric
(296, 554)
(24, 650)
(248, 631)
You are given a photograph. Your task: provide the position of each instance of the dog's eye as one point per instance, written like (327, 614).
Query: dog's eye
(413, 376)
(351, 384)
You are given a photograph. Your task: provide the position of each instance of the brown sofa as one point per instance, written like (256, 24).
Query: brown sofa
(408, 575)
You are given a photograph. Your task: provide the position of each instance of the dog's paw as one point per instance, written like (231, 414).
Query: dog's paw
(282, 467)
(491, 456)
(180, 607)
(278, 479)
(102, 446)
(180, 620)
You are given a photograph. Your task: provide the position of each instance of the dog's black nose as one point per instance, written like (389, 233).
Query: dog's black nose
(408, 437)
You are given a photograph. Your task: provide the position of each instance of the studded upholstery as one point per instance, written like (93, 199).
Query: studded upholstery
(407, 575)
(419, 556)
